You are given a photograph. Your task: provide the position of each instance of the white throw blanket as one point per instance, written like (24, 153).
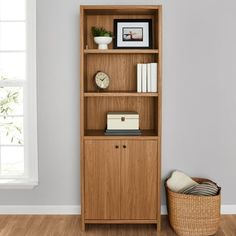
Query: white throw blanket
(179, 181)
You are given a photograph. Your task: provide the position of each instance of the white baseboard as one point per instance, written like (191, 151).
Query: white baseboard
(40, 210)
(73, 209)
(228, 209)
(163, 210)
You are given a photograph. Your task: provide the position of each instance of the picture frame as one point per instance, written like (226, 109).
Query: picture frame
(132, 33)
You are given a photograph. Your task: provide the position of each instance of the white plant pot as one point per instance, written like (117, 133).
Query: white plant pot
(102, 42)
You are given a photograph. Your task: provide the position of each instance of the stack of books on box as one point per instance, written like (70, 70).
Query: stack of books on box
(147, 78)
(123, 123)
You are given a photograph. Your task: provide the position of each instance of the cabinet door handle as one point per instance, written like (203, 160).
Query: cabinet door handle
(124, 146)
(116, 146)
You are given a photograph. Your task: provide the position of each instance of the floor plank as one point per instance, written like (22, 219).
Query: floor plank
(28, 225)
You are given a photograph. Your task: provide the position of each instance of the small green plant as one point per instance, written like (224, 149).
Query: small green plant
(96, 32)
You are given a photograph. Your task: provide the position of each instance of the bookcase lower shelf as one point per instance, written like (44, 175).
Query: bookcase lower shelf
(99, 134)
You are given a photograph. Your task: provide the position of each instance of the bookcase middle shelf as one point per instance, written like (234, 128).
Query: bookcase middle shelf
(119, 94)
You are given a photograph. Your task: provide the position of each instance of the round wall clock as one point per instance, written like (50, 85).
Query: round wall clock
(102, 80)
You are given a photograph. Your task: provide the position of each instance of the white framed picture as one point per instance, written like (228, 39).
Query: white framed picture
(133, 33)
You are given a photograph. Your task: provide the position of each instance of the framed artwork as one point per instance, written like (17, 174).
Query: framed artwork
(133, 33)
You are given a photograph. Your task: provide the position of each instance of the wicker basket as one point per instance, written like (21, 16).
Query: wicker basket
(193, 215)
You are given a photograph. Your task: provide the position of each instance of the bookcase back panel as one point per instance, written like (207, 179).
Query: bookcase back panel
(97, 108)
(106, 21)
(122, 70)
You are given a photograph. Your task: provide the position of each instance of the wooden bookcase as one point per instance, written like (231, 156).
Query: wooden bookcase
(120, 175)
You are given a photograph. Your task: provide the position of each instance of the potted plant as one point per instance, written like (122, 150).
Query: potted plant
(102, 37)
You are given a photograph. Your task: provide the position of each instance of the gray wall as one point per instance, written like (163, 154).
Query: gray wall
(199, 103)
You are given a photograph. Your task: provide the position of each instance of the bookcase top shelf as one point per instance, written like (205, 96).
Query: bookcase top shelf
(121, 51)
(119, 94)
(120, 9)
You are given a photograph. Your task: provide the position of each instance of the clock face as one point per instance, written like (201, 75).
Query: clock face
(102, 80)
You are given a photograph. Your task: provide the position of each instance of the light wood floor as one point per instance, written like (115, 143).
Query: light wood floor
(70, 226)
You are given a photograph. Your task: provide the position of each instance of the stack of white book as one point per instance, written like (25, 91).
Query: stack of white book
(147, 78)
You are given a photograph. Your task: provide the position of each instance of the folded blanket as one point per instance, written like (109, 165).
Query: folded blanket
(181, 183)
(204, 189)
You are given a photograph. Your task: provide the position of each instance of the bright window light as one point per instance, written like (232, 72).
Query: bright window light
(18, 106)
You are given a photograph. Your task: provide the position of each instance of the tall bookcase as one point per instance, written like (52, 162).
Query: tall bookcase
(120, 175)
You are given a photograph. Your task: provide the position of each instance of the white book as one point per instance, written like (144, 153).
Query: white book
(149, 77)
(154, 77)
(139, 78)
(144, 78)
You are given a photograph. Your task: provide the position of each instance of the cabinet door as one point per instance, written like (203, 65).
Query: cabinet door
(102, 179)
(139, 179)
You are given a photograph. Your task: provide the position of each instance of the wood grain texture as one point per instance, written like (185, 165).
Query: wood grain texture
(139, 179)
(106, 21)
(158, 36)
(121, 69)
(120, 10)
(82, 123)
(102, 179)
(99, 134)
(71, 226)
(121, 51)
(124, 221)
(98, 107)
(120, 94)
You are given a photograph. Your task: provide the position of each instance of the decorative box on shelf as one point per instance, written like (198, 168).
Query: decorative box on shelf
(122, 123)
(122, 120)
